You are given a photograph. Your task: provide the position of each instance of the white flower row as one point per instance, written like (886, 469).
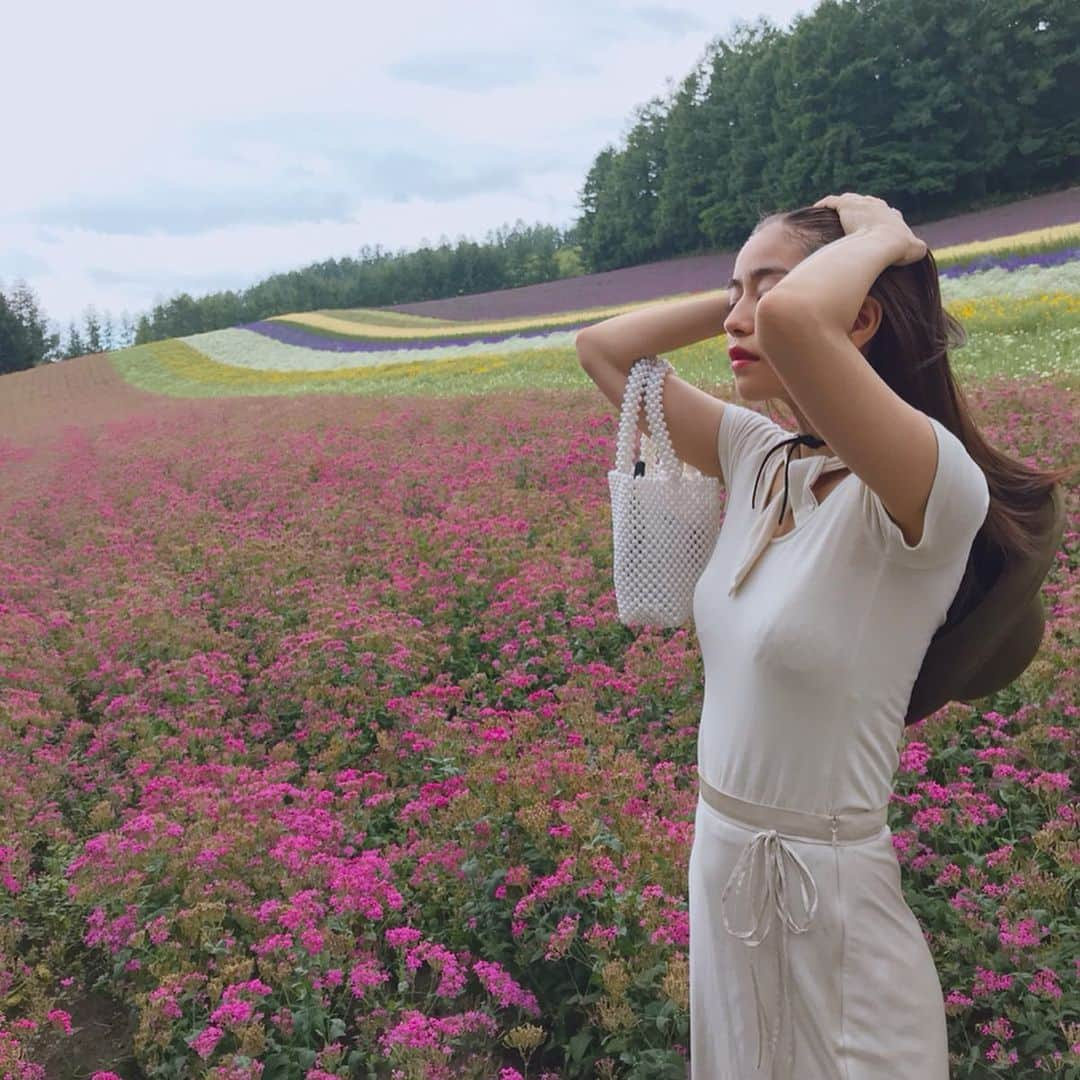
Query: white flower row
(1027, 281)
(241, 348)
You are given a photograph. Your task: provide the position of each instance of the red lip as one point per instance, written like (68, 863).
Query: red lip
(741, 354)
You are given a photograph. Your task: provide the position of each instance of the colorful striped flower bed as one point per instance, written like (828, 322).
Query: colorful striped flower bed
(1011, 290)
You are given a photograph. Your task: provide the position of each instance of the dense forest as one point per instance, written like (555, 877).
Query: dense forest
(936, 108)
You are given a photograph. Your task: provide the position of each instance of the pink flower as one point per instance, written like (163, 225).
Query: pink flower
(366, 972)
(232, 1012)
(204, 1043)
(61, 1019)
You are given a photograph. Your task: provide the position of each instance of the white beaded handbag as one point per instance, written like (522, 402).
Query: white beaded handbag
(665, 514)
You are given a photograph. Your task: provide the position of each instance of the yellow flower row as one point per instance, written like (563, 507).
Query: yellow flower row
(1032, 238)
(380, 318)
(996, 307)
(319, 321)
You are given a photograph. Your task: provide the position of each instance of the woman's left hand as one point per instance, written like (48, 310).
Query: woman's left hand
(868, 211)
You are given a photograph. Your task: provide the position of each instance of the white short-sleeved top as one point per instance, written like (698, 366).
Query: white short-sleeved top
(810, 663)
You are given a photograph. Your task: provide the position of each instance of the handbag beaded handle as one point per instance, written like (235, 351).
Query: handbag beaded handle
(670, 465)
(629, 414)
(646, 375)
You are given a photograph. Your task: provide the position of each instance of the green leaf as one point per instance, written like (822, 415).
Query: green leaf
(579, 1044)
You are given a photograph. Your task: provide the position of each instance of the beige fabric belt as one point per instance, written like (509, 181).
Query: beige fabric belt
(767, 847)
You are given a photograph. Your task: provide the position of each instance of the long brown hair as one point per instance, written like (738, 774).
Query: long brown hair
(910, 352)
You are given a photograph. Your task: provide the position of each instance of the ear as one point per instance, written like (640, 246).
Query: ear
(866, 322)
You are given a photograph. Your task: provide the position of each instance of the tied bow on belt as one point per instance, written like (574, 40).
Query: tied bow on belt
(769, 848)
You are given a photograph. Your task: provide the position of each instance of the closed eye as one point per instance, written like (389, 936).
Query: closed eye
(730, 306)
(755, 275)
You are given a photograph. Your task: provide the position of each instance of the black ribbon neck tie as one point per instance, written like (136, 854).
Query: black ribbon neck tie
(795, 440)
(762, 528)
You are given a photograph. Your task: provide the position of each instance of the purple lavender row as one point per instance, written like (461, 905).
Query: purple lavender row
(1012, 262)
(310, 339)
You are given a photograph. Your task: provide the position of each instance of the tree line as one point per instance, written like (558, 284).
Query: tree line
(936, 108)
(28, 338)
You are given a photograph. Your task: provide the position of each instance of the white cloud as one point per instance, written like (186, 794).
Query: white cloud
(161, 150)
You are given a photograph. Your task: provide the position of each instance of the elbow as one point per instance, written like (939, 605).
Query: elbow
(586, 347)
(776, 308)
(779, 323)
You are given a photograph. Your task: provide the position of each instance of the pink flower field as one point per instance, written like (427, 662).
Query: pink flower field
(323, 754)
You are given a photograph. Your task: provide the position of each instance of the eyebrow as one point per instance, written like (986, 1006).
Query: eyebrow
(760, 272)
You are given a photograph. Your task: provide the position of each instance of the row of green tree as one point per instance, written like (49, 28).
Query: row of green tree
(936, 108)
(29, 338)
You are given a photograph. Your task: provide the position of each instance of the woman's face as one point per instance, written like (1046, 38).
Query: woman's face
(761, 264)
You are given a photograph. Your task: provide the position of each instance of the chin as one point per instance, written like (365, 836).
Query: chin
(754, 388)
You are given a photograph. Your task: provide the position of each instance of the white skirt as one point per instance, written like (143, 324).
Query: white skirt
(821, 971)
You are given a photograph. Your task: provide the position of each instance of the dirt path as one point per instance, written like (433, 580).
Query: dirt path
(38, 403)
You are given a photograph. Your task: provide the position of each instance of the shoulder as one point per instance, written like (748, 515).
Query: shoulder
(743, 436)
(952, 513)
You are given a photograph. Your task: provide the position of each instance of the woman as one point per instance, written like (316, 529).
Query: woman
(841, 552)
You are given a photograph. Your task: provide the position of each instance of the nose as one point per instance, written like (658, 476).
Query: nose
(739, 321)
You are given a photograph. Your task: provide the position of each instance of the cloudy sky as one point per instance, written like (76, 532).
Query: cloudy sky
(202, 146)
